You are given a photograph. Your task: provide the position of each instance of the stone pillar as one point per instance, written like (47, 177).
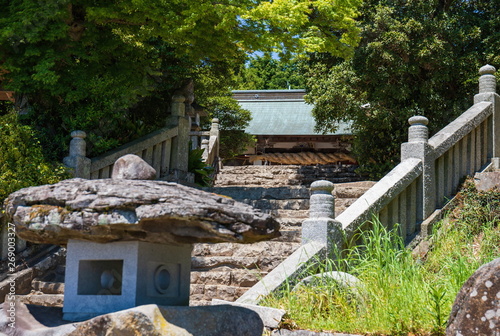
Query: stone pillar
(214, 136)
(418, 147)
(194, 142)
(487, 92)
(204, 146)
(77, 159)
(214, 130)
(180, 143)
(321, 226)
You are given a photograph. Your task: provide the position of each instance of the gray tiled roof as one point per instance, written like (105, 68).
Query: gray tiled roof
(284, 118)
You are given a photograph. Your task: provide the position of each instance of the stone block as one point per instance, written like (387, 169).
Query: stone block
(104, 278)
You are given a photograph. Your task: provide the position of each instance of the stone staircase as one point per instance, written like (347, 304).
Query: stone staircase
(225, 271)
(284, 175)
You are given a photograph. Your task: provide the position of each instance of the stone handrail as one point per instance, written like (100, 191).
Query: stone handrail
(396, 191)
(210, 143)
(165, 149)
(154, 148)
(411, 194)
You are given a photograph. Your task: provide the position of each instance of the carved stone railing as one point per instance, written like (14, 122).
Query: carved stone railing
(210, 142)
(412, 194)
(166, 149)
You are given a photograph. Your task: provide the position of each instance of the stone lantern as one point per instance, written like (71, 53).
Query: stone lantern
(129, 242)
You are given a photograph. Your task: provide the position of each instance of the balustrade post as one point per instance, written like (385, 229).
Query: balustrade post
(180, 143)
(77, 160)
(487, 92)
(321, 225)
(204, 146)
(214, 136)
(418, 147)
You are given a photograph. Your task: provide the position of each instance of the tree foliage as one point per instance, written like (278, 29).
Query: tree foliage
(268, 73)
(22, 163)
(414, 58)
(110, 67)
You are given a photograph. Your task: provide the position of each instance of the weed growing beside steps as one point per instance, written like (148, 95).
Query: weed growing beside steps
(401, 293)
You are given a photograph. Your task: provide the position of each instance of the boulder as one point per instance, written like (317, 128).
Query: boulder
(17, 319)
(271, 317)
(109, 210)
(133, 167)
(143, 320)
(487, 181)
(151, 320)
(221, 320)
(336, 281)
(476, 310)
(341, 279)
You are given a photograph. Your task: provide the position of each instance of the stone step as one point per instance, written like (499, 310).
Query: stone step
(277, 169)
(40, 299)
(203, 294)
(250, 255)
(254, 182)
(281, 204)
(290, 222)
(343, 203)
(48, 287)
(245, 194)
(289, 235)
(352, 189)
(273, 180)
(297, 214)
(228, 277)
(257, 193)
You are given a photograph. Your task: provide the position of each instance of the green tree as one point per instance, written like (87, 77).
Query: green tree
(111, 67)
(22, 163)
(214, 95)
(268, 73)
(415, 57)
(233, 121)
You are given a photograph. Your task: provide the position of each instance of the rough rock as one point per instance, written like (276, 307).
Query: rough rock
(150, 320)
(133, 167)
(347, 283)
(221, 320)
(271, 317)
(44, 321)
(143, 320)
(476, 310)
(17, 319)
(487, 181)
(342, 279)
(108, 210)
(38, 298)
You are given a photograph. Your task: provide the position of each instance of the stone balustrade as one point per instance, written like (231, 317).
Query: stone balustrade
(210, 142)
(412, 194)
(165, 149)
